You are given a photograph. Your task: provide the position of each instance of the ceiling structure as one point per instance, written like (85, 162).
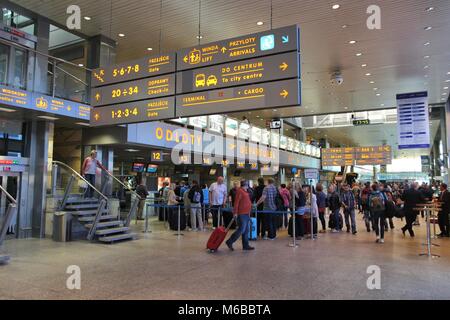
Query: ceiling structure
(395, 56)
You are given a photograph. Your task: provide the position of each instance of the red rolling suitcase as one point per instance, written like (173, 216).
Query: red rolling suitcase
(217, 237)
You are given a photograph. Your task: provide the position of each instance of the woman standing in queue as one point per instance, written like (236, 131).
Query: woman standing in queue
(300, 203)
(321, 205)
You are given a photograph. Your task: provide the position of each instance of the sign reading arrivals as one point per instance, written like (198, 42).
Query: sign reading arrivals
(258, 71)
(379, 155)
(413, 124)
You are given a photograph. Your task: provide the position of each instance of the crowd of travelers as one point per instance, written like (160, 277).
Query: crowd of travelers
(273, 207)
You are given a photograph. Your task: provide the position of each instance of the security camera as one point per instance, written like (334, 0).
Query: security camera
(337, 79)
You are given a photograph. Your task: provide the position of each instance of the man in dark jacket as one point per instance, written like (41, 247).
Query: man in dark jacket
(334, 204)
(411, 198)
(141, 190)
(443, 216)
(195, 196)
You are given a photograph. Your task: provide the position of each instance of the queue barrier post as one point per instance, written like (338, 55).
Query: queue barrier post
(146, 218)
(178, 234)
(294, 242)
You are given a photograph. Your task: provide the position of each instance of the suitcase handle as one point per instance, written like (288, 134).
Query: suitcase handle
(231, 223)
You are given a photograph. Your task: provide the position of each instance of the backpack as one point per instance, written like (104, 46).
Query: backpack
(377, 202)
(279, 202)
(195, 196)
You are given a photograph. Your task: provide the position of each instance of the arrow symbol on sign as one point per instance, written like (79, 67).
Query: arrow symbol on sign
(224, 49)
(284, 66)
(97, 96)
(97, 116)
(285, 39)
(185, 59)
(284, 93)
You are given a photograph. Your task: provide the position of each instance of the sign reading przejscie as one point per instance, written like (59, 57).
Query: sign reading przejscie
(257, 71)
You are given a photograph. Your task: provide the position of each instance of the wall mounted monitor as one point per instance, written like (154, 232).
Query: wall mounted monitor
(138, 167)
(152, 168)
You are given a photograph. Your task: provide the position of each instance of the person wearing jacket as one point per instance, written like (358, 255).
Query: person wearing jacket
(205, 204)
(286, 196)
(349, 204)
(241, 209)
(321, 205)
(195, 196)
(443, 215)
(314, 210)
(334, 204)
(300, 204)
(411, 197)
(377, 205)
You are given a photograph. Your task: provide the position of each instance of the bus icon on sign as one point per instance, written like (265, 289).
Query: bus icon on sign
(267, 42)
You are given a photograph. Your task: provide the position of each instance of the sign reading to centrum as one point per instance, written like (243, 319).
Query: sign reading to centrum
(257, 71)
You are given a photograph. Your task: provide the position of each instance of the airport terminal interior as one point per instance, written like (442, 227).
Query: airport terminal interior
(140, 141)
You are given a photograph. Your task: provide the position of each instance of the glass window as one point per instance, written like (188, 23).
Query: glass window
(4, 59)
(231, 127)
(20, 68)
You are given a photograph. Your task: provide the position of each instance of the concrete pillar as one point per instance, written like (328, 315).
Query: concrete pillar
(38, 64)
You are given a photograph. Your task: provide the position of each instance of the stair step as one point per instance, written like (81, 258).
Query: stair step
(111, 231)
(91, 218)
(81, 206)
(106, 224)
(118, 237)
(81, 201)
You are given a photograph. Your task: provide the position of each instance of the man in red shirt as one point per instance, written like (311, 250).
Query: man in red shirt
(241, 209)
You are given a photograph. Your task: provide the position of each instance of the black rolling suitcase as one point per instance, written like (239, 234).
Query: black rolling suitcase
(173, 219)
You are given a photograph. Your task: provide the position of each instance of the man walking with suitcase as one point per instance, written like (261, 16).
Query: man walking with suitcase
(241, 209)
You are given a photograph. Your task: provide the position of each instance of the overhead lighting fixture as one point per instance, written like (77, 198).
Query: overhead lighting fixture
(448, 73)
(426, 67)
(359, 54)
(429, 9)
(48, 118)
(121, 35)
(87, 18)
(7, 109)
(428, 28)
(346, 108)
(368, 74)
(426, 44)
(444, 94)
(382, 104)
(199, 37)
(426, 57)
(131, 150)
(335, 6)
(149, 49)
(447, 80)
(81, 65)
(378, 94)
(364, 65)
(352, 41)
(445, 88)
(344, 26)
(86, 124)
(375, 89)
(372, 82)
(260, 23)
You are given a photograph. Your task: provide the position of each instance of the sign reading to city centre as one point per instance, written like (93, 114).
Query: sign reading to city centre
(379, 155)
(258, 71)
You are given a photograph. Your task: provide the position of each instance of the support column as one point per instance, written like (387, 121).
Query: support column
(38, 64)
(32, 220)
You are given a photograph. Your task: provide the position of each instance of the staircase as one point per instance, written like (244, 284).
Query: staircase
(94, 216)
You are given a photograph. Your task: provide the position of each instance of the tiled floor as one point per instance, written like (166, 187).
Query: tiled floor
(162, 266)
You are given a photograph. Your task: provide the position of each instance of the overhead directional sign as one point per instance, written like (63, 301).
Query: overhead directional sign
(132, 91)
(132, 112)
(257, 71)
(378, 155)
(246, 47)
(142, 68)
(278, 67)
(261, 96)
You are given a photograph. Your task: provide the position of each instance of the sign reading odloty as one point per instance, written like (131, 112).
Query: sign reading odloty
(258, 71)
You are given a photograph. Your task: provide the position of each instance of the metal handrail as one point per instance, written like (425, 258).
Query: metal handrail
(10, 197)
(121, 183)
(81, 177)
(68, 73)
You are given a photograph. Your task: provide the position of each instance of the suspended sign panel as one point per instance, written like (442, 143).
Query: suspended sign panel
(265, 95)
(413, 124)
(278, 67)
(142, 68)
(377, 155)
(246, 47)
(132, 112)
(133, 91)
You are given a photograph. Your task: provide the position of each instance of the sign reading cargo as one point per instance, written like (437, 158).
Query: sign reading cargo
(258, 71)
(379, 155)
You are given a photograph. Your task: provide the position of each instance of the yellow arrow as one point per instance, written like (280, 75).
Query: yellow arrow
(224, 49)
(97, 96)
(185, 59)
(97, 116)
(284, 66)
(284, 93)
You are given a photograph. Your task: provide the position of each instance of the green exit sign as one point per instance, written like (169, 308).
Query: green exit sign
(361, 122)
